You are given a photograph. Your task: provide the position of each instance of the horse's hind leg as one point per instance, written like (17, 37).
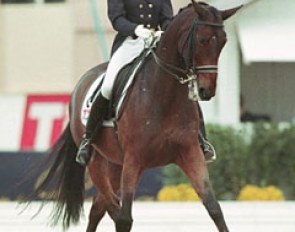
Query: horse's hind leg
(106, 178)
(196, 170)
(115, 172)
(97, 212)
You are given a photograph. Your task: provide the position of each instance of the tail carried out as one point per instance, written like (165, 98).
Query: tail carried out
(63, 181)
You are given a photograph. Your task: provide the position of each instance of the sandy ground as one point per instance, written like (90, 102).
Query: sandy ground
(163, 217)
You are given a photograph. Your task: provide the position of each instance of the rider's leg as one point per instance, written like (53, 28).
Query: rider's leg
(98, 112)
(128, 51)
(207, 147)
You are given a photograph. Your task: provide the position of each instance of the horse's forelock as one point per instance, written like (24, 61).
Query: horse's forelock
(187, 14)
(207, 10)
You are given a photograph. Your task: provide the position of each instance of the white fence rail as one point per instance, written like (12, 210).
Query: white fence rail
(165, 217)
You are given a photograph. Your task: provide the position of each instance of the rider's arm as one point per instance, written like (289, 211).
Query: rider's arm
(166, 14)
(117, 16)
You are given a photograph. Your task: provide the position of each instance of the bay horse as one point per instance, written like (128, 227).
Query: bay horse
(158, 126)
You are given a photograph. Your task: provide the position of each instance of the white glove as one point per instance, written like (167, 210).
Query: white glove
(142, 32)
(158, 33)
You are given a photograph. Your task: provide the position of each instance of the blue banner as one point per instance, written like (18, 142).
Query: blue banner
(19, 171)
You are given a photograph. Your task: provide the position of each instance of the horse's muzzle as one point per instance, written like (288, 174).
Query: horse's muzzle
(206, 94)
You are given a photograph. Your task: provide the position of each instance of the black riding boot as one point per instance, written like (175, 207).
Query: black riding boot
(98, 112)
(208, 149)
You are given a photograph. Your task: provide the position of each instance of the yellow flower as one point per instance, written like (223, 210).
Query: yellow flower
(254, 193)
(168, 193)
(274, 193)
(181, 192)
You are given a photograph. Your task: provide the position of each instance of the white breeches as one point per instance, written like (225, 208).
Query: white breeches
(126, 53)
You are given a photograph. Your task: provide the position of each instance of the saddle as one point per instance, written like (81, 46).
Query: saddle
(122, 85)
(124, 81)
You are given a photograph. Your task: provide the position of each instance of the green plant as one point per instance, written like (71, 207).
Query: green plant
(261, 156)
(271, 157)
(173, 175)
(228, 171)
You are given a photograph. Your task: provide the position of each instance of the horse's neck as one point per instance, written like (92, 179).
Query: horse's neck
(164, 88)
(167, 49)
(165, 98)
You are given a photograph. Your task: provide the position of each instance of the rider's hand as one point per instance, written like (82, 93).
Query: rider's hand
(142, 32)
(158, 33)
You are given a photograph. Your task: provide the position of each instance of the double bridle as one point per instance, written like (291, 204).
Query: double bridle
(191, 72)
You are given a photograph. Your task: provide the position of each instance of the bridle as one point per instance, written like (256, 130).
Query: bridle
(191, 72)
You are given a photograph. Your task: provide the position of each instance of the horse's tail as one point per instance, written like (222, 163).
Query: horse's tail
(64, 181)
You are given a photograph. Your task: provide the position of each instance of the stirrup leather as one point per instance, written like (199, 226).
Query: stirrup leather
(83, 155)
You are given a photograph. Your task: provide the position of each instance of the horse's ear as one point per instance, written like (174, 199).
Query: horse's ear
(198, 8)
(230, 12)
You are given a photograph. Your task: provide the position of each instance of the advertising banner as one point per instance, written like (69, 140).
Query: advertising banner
(33, 122)
(29, 126)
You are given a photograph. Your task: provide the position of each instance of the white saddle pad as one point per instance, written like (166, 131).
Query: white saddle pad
(87, 103)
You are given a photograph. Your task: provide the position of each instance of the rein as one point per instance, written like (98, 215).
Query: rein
(191, 71)
(173, 70)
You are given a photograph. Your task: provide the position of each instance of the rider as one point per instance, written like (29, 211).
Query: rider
(135, 21)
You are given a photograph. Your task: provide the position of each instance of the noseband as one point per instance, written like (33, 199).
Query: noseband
(191, 71)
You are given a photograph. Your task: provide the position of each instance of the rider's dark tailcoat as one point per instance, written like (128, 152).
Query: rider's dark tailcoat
(125, 15)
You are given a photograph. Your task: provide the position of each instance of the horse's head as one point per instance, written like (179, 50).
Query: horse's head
(200, 40)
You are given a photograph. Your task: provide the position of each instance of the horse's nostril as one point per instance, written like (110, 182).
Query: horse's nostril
(202, 92)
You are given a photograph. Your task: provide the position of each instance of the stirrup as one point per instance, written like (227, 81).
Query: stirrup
(209, 152)
(84, 154)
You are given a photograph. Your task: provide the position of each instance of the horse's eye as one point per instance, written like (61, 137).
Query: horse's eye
(203, 41)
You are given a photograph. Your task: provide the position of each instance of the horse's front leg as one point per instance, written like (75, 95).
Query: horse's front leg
(130, 177)
(194, 166)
